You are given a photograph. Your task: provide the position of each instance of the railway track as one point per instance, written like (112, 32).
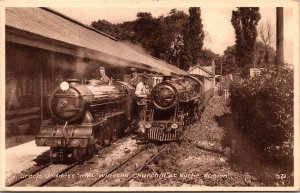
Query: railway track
(27, 175)
(70, 175)
(43, 176)
(144, 153)
(95, 170)
(143, 166)
(35, 176)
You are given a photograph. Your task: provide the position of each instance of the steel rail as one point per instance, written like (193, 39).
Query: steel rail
(142, 166)
(27, 175)
(64, 170)
(57, 174)
(43, 167)
(118, 166)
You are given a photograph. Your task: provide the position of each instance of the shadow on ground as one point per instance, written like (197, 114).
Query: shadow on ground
(42, 159)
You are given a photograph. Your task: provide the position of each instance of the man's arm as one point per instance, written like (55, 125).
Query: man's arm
(139, 92)
(106, 80)
(138, 88)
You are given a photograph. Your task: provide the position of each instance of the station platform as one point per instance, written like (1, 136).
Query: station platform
(16, 140)
(22, 157)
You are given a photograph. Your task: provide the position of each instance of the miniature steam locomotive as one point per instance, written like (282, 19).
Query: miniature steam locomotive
(88, 116)
(173, 104)
(85, 117)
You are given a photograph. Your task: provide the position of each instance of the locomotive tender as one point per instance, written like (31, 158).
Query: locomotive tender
(84, 117)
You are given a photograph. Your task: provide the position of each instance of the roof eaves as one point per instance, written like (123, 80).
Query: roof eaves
(205, 70)
(67, 48)
(194, 67)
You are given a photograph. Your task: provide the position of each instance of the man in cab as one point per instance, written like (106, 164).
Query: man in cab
(103, 78)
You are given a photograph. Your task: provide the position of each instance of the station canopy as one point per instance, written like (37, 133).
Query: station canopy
(48, 29)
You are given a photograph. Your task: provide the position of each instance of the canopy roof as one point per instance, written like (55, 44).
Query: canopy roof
(60, 33)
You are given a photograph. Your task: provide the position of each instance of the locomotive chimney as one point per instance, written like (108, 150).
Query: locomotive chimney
(181, 79)
(93, 82)
(73, 81)
(166, 78)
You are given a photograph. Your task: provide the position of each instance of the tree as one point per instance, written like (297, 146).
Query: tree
(260, 55)
(105, 26)
(162, 36)
(244, 21)
(266, 35)
(229, 64)
(176, 38)
(195, 32)
(206, 56)
(147, 32)
(123, 31)
(175, 25)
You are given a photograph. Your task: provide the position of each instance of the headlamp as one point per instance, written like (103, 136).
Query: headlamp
(64, 86)
(147, 125)
(174, 126)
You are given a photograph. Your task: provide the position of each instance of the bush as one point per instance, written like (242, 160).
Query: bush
(263, 107)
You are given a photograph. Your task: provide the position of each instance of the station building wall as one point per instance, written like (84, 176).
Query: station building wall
(31, 74)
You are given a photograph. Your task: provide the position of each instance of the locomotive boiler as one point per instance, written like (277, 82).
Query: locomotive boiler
(173, 104)
(85, 117)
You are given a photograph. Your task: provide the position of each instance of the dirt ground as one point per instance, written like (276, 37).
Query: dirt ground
(212, 153)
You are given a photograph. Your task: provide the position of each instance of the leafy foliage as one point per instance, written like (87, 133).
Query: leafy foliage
(244, 21)
(122, 31)
(229, 63)
(176, 38)
(147, 32)
(264, 55)
(195, 33)
(263, 106)
(175, 25)
(206, 56)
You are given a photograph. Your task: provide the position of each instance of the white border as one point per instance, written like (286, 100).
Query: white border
(152, 3)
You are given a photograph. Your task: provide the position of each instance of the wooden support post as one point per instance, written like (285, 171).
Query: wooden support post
(279, 36)
(41, 92)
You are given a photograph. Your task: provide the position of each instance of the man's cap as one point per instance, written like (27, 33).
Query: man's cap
(101, 68)
(132, 69)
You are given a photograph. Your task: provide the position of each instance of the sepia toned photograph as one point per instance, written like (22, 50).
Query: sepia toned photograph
(156, 95)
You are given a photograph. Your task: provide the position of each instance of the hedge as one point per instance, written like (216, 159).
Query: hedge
(263, 107)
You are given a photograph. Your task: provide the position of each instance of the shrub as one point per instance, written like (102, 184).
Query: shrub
(263, 107)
